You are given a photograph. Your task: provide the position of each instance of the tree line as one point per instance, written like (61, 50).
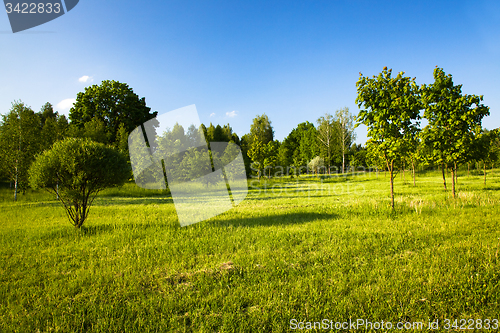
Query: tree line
(103, 114)
(108, 112)
(327, 147)
(391, 108)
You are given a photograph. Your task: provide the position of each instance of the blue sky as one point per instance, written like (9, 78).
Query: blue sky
(293, 60)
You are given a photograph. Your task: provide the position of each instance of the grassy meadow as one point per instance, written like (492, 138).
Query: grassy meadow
(304, 250)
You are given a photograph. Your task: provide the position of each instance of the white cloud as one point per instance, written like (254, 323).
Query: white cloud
(231, 114)
(65, 104)
(212, 114)
(86, 79)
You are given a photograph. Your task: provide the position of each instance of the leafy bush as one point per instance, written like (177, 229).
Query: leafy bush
(77, 170)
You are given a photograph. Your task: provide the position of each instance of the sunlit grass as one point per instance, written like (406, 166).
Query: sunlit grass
(306, 248)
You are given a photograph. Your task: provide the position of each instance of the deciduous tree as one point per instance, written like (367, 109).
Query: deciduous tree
(257, 154)
(316, 164)
(271, 156)
(114, 103)
(300, 146)
(261, 129)
(345, 122)
(390, 111)
(454, 122)
(20, 141)
(77, 170)
(328, 136)
(488, 148)
(254, 143)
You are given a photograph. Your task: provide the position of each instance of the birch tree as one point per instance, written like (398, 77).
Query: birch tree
(20, 141)
(327, 136)
(345, 122)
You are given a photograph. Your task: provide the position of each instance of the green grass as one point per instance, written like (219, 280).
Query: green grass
(308, 250)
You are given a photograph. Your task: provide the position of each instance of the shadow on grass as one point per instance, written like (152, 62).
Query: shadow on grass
(285, 218)
(126, 192)
(90, 230)
(31, 204)
(304, 197)
(99, 202)
(107, 201)
(301, 181)
(491, 188)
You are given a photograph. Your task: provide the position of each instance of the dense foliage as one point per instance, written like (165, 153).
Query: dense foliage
(23, 134)
(76, 170)
(108, 107)
(454, 122)
(391, 110)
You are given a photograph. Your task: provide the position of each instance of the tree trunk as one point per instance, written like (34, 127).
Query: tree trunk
(413, 171)
(484, 171)
(453, 171)
(456, 174)
(444, 178)
(468, 169)
(392, 184)
(15, 185)
(404, 179)
(343, 161)
(329, 160)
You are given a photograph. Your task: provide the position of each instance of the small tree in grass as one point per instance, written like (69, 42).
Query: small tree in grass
(487, 148)
(271, 152)
(77, 170)
(454, 123)
(316, 164)
(257, 153)
(391, 113)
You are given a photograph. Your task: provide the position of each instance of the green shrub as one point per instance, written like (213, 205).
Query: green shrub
(76, 170)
